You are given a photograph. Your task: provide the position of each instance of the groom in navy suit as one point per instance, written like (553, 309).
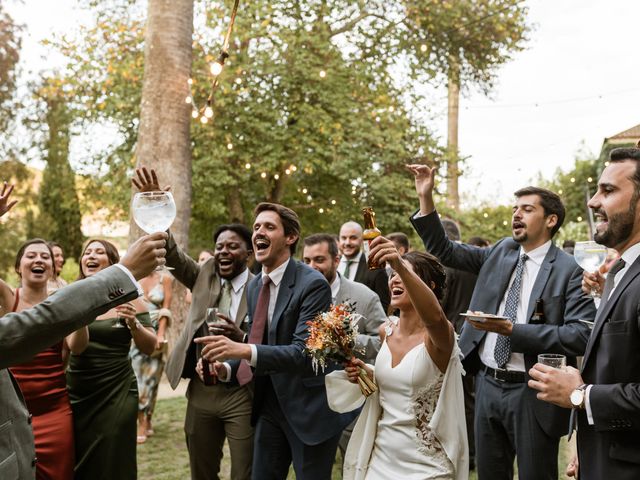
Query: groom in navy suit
(293, 420)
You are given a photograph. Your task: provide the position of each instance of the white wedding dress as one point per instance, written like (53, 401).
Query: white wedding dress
(405, 446)
(413, 428)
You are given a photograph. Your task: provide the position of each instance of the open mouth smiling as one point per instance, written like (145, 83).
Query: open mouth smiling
(262, 244)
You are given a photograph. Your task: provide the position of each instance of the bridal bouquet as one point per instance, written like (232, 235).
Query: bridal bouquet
(332, 337)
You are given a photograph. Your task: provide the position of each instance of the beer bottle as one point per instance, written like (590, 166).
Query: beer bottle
(206, 373)
(538, 312)
(370, 232)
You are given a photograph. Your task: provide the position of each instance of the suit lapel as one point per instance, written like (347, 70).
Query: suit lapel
(603, 313)
(200, 309)
(242, 308)
(541, 279)
(284, 295)
(362, 269)
(507, 265)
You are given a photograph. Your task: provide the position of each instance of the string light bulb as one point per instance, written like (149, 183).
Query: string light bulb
(263, 175)
(423, 48)
(304, 190)
(204, 119)
(230, 146)
(323, 74)
(188, 100)
(194, 114)
(247, 166)
(276, 176)
(216, 68)
(208, 112)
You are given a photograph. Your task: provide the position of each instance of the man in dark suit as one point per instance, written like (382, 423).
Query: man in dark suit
(605, 395)
(24, 334)
(214, 412)
(460, 285)
(353, 263)
(321, 254)
(514, 275)
(293, 420)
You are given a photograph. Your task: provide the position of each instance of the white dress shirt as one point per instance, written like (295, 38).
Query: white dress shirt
(342, 266)
(529, 275)
(237, 286)
(335, 288)
(274, 287)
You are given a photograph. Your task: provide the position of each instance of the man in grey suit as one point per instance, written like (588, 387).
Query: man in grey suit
(294, 423)
(321, 254)
(353, 263)
(24, 334)
(514, 275)
(219, 411)
(605, 395)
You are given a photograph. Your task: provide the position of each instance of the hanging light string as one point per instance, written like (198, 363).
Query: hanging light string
(215, 69)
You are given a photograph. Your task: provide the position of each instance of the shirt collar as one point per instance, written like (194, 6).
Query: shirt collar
(355, 260)
(238, 282)
(537, 254)
(631, 254)
(277, 273)
(335, 287)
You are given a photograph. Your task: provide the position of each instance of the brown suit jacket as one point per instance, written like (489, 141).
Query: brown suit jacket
(205, 285)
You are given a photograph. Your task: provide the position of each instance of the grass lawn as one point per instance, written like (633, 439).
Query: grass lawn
(164, 456)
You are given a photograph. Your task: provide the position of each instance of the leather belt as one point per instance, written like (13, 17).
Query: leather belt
(502, 375)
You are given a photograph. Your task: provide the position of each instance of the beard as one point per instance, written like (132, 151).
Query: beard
(619, 228)
(522, 237)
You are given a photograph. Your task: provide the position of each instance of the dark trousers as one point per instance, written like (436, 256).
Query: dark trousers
(506, 427)
(277, 446)
(469, 389)
(213, 414)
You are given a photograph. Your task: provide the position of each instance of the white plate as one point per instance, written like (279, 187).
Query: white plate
(482, 317)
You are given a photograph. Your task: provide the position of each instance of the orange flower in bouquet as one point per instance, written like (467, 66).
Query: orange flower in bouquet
(332, 338)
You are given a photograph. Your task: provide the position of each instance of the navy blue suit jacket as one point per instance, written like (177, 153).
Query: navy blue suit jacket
(558, 284)
(301, 393)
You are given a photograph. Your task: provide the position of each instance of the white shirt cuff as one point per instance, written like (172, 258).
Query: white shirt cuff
(133, 280)
(254, 355)
(419, 215)
(228, 368)
(587, 405)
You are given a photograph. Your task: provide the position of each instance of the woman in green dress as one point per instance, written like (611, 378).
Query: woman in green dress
(102, 385)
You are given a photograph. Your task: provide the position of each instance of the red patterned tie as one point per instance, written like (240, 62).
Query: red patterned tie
(244, 373)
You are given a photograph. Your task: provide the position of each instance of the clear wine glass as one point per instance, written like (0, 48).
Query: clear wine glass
(590, 256)
(154, 212)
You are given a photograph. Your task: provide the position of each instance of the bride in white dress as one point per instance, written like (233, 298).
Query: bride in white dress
(417, 418)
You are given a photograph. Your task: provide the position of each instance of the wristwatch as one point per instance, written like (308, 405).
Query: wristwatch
(578, 396)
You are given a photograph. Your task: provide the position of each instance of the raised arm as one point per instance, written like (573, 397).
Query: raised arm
(5, 203)
(440, 338)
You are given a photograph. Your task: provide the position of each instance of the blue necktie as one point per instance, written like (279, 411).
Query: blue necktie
(502, 352)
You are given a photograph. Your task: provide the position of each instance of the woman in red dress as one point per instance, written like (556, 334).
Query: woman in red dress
(42, 380)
